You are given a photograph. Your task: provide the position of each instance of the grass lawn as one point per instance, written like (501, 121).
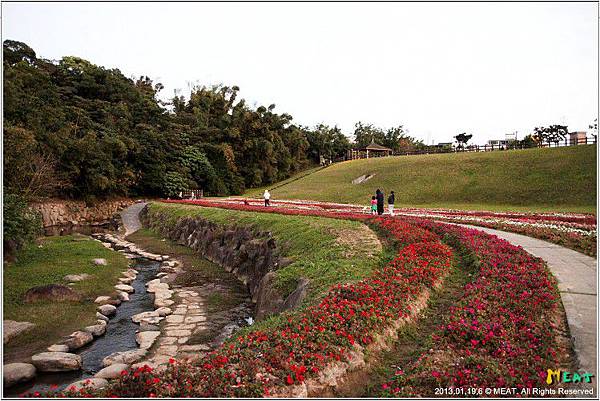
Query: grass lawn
(557, 179)
(326, 251)
(258, 192)
(47, 262)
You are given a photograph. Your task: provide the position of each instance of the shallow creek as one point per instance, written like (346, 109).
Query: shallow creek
(121, 330)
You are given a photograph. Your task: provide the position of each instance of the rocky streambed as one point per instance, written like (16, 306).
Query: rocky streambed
(151, 320)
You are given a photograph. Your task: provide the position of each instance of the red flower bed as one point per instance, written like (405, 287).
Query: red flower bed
(501, 333)
(308, 341)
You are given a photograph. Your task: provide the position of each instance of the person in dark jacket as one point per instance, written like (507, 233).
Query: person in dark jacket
(391, 200)
(379, 196)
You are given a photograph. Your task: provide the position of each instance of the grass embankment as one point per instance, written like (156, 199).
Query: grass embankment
(558, 179)
(325, 251)
(47, 262)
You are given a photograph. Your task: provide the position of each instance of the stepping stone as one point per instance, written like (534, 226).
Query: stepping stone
(124, 288)
(58, 348)
(195, 319)
(146, 338)
(182, 340)
(78, 339)
(194, 348)
(174, 319)
(107, 310)
(159, 303)
(178, 333)
(148, 327)
(164, 311)
(152, 320)
(170, 350)
(112, 372)
(168, 340)
(127, 357)
(14, 373)
(12, 329)
(99, 262)
(138, 318)
(92, 383)
(56, 361)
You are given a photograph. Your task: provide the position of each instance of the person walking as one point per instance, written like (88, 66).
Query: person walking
(267, 196)
(391, 200)
(379, 195)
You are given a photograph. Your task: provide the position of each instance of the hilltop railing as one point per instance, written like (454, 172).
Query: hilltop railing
(490, 148)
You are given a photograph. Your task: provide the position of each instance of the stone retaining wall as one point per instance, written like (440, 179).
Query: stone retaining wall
(251, 255)
(57, 212)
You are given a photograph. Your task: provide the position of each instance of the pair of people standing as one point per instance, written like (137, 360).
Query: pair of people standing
(377, 202)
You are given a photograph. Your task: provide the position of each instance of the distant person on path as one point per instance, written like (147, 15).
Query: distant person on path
(391, 200)
(379, 196)
(267, 197)
(373, 205)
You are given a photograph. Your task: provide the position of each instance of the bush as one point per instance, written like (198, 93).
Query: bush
(21, 223)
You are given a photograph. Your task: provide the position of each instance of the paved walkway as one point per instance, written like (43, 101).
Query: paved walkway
(577, 276)
(131, 217)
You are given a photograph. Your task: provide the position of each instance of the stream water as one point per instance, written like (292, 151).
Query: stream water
(120, 335)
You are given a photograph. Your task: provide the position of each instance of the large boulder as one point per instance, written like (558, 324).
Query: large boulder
(13, 328)
(127, 357)
(78, 339)
(15, 373)
(112, 372)
(91, 383)
(56, 361)
(51, 292)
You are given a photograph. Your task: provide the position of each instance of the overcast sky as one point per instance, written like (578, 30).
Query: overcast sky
(438, 69)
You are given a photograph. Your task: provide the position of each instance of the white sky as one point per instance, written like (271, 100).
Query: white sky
(438, 69)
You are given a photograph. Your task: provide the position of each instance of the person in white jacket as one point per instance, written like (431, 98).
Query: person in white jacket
(267, 196)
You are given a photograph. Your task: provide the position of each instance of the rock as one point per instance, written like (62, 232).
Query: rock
(56, 361)
(92, 383)
(12, 329)
(101, 317)
(164, 311)
(78, 339)
(58, 348)
(127, 357)
(99, 262)
(146, 338)
(158, 287)
(77, 277)
(124, 288)
(96, 330)
(14, 373)
(153, 282)
(112, 372)
(138, 318)
(159, 303)
(145, 326)
(123, 296)
(152, 320)
(107, 310)
(125, 280)
(175, 319)
(102, 299)
(51, 292)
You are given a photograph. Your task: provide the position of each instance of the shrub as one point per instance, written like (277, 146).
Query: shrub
(21, 223)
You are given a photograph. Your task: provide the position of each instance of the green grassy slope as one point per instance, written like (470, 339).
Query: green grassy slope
(562, 179)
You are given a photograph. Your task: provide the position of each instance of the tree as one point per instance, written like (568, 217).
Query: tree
(552, 133)
(594, 128)
(462, 139)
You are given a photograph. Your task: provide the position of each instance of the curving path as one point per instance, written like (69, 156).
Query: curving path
(131, 218)
(577, 282)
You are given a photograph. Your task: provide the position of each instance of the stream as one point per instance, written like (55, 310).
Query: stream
(121, 330)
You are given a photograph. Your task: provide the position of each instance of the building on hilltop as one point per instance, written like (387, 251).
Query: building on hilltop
(578, 138)
(369, 151)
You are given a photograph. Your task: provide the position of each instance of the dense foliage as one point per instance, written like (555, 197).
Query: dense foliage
(75, 129)
(21, 224)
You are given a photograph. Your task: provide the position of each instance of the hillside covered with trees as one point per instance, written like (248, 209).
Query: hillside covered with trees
(77, 130)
